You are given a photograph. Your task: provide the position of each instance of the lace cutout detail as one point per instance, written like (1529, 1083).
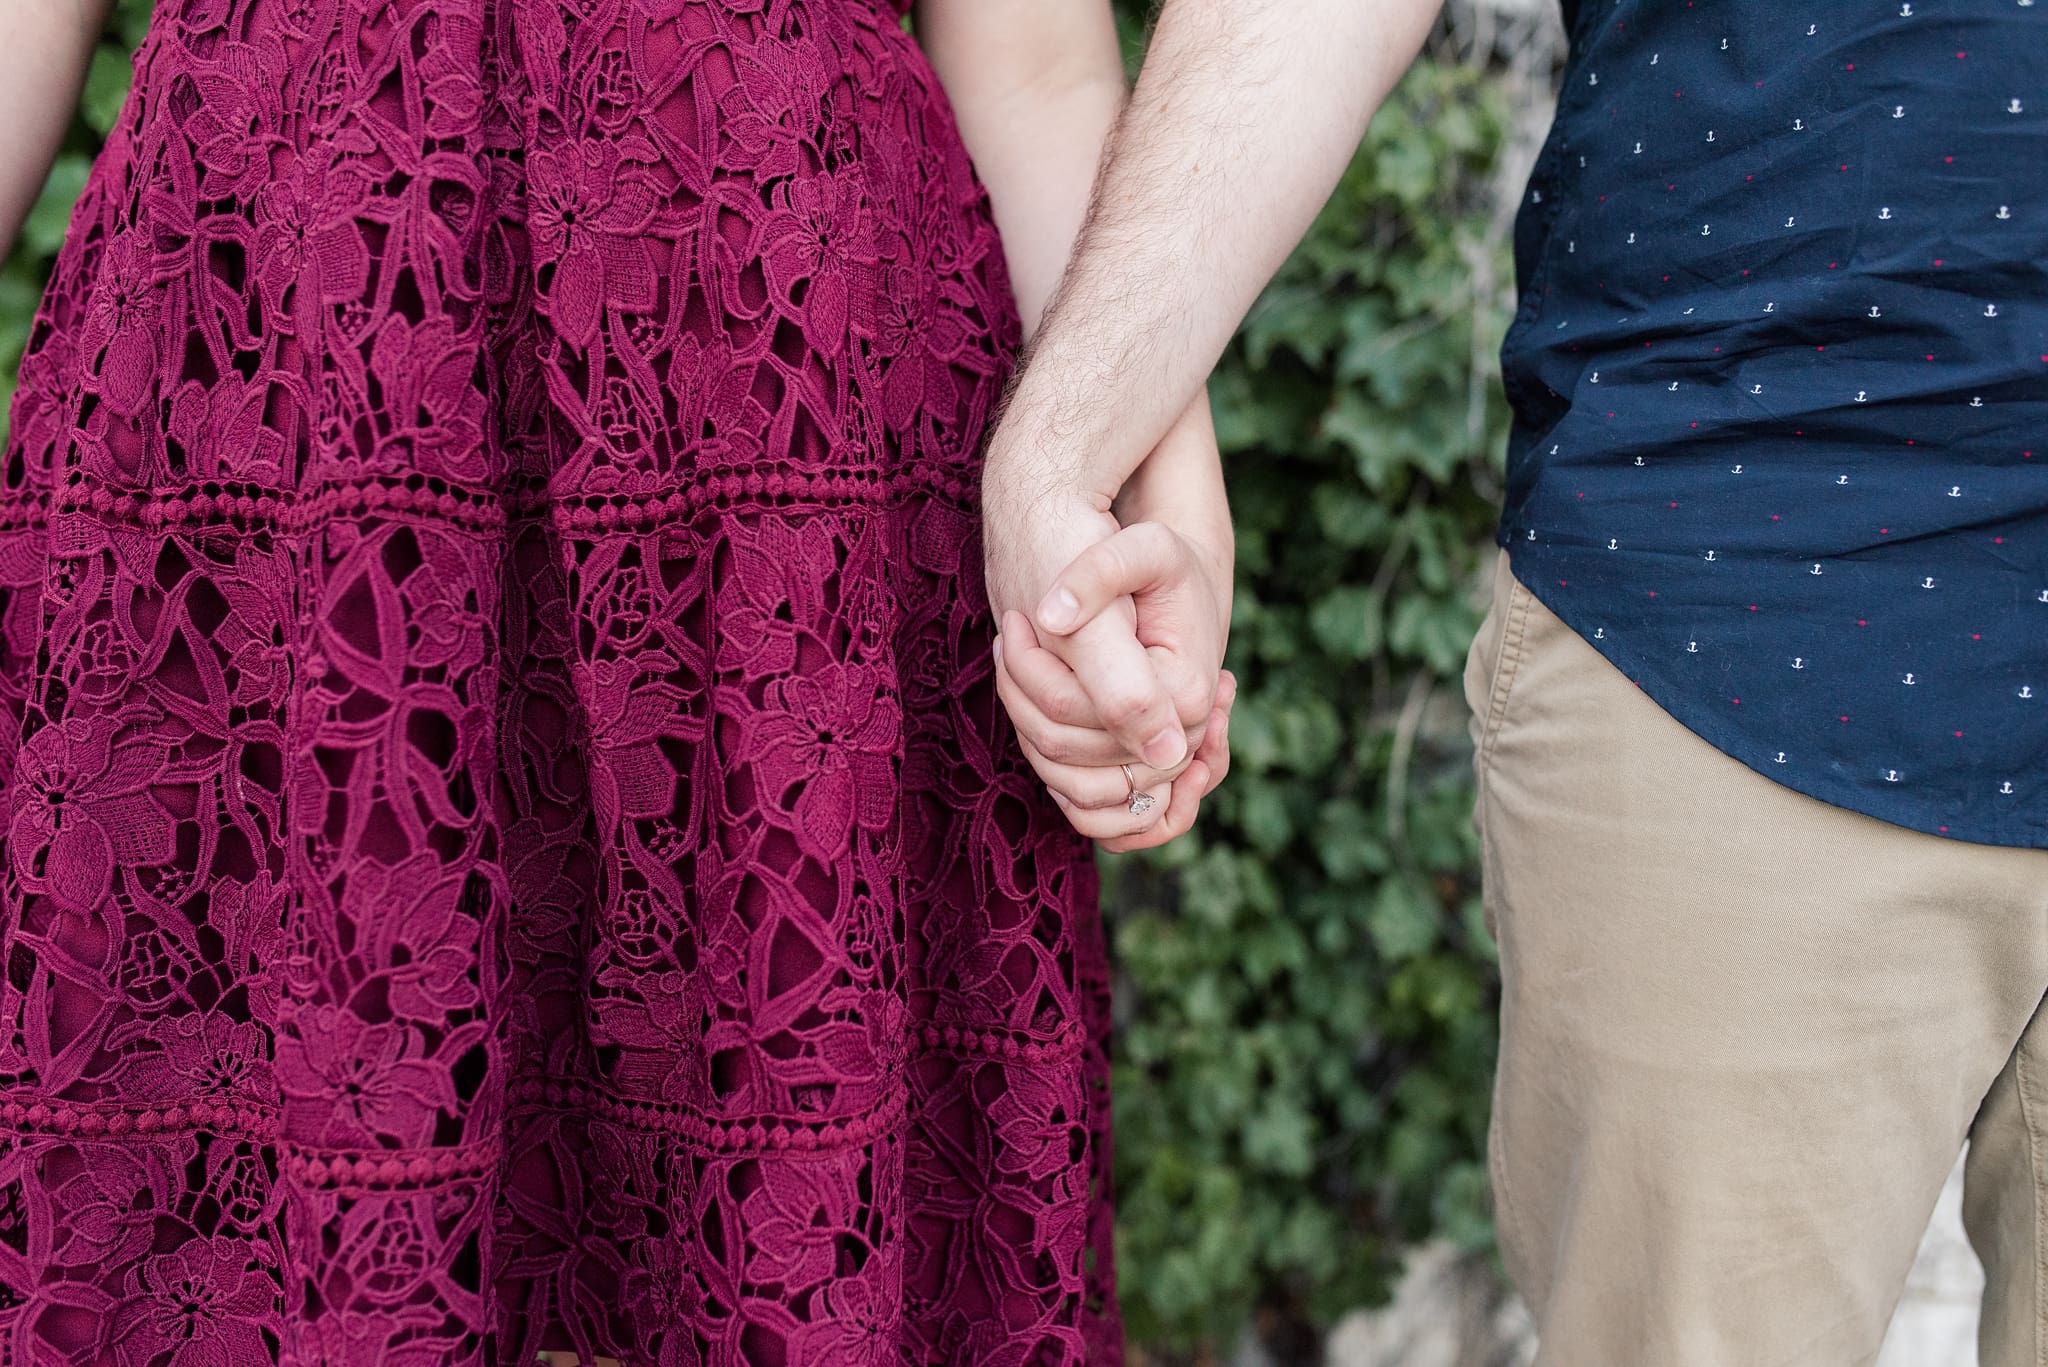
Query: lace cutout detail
(512, 843)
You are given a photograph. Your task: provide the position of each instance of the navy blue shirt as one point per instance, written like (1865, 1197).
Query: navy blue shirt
(1780, 385)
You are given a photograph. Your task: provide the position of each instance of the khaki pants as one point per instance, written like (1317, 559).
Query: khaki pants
(1744, 1035)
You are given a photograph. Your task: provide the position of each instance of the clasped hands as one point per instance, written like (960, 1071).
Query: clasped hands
(1109, 655)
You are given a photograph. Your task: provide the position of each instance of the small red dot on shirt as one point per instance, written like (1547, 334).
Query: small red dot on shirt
(1862, 621)
(1752, 607)
(1831, 265)
(1884, 531)
(1850, 67)
(1944, 829)
(1959, 736)
(1937, 261)
(1674, 503)
(1998, 541)
(1820, 348)
(1948, 159)
(1975, 636)
(1930, 355)
(1653, 593)
(1959, 56)
(1843, 167)
(1845, 719)
(1736, 701)
(1695, 424)
(1774, 517)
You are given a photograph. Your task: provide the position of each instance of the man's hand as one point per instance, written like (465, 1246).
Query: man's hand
(1139, 655)
(1029, 538)
(1161, 588)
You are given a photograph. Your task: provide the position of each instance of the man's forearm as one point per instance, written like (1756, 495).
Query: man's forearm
(1244, 116)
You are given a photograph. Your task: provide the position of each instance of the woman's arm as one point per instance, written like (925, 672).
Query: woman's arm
(44, 48)
(1036, 86)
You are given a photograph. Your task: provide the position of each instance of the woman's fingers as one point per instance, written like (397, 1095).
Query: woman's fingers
(1110, 823)
(1213, 751)
(1081, 747)
(1183, 804)
(1036, 687)
(1090, 786)
(1197, 781)
(1130, 700)
(1043, 676)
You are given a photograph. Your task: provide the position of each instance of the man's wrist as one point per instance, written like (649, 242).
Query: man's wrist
(1026, 466)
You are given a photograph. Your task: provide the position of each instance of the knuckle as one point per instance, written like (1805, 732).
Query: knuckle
(1115, 555)
(1124, 707)
(1154, 538)
(1105, 788)
(1066, 706)
(1057, 747)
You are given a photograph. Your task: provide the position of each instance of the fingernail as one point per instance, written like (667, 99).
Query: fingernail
(1060, 798)
(1059, 610)
(996, 651)
(1164, 750)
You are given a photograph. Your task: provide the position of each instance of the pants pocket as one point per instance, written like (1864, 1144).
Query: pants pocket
(1491, 660)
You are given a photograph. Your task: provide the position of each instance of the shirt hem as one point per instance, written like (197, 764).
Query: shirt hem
(1730, 741)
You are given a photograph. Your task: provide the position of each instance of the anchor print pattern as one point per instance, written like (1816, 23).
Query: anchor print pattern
(1801, 246)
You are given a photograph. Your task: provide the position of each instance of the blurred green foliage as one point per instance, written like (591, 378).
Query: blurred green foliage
(1307, 1021)
(1307, 997)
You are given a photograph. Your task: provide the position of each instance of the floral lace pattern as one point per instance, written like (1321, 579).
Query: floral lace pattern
(510, 839)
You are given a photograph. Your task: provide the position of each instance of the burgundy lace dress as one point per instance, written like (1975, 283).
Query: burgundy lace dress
(511, 842)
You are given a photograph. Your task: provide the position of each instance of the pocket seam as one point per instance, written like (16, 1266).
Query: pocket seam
(1514, 632)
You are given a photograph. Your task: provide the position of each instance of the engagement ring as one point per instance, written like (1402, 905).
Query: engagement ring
(1141, 803)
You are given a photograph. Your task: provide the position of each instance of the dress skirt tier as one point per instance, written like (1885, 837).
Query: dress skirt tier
(511, 841)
